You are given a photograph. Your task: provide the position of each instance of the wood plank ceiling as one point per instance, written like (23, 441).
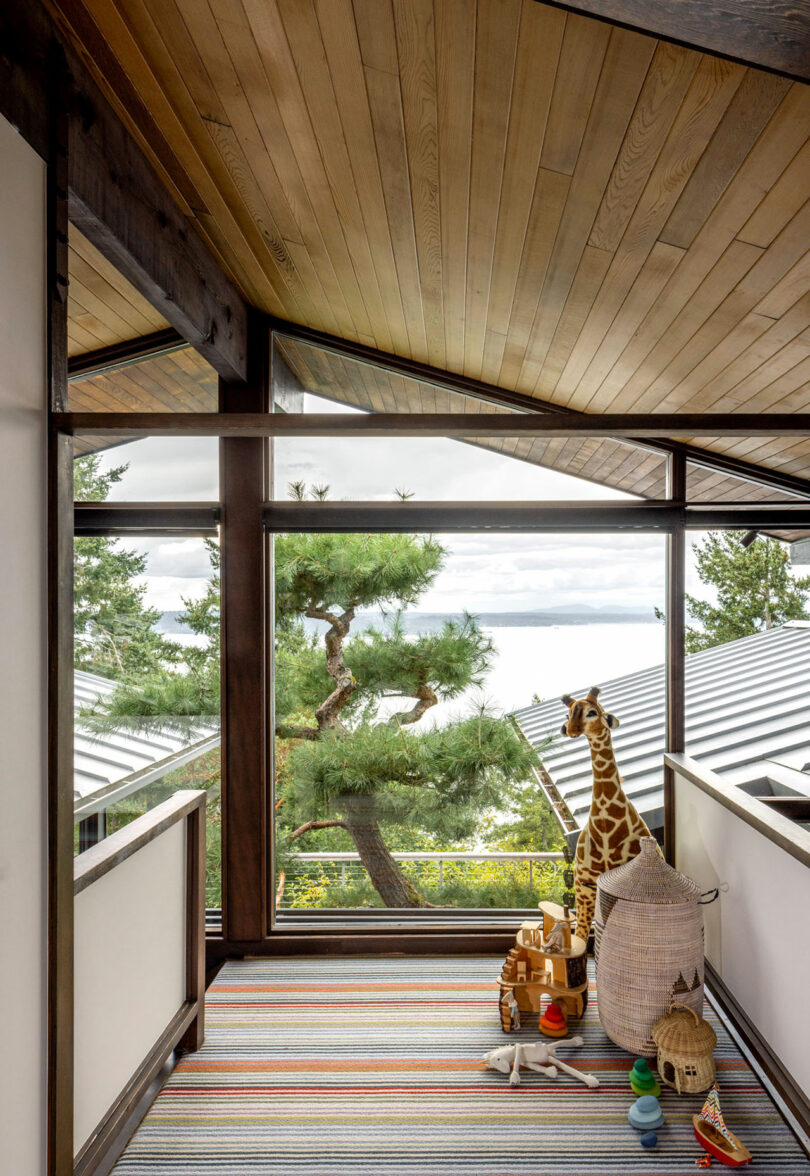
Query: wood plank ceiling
(527, 196)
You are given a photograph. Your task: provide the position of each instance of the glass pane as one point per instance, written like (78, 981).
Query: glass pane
(748, 643)
(407, 670)
(307, 379)
(177, 381)
(706, 485)
(146, 683)
(148, 469)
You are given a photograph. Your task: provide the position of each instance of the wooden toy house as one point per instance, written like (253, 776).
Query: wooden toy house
(547, 960)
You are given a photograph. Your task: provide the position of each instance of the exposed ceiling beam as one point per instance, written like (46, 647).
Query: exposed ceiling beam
(115, 196)
(118, 201)
(439, 424)
(769, 34)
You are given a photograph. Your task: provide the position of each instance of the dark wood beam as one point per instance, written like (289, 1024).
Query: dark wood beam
(769, 34)
(559, 517)
(675, 668)
(409, 516)
(456, 425)
(119, 355)
(28, 49)
(244, 485)
(94, 519)
(118, 201)
(60, 1077)
(116, 197)
(747, 517)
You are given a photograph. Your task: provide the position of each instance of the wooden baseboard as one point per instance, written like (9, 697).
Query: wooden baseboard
(368, 943)
(104, 1147)
(772, 1068)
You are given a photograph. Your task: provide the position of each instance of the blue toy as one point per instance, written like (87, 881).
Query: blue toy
(649, 1139)
(645, 1113)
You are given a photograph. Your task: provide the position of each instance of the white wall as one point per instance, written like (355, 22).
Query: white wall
(22, 655)
(757, 932)
(130, 978)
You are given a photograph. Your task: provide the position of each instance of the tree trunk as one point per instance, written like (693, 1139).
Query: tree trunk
(386, 877)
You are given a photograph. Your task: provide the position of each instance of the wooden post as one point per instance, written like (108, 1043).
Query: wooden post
(194, 1035)
(675, 657)
(60, 652)
(244, 475)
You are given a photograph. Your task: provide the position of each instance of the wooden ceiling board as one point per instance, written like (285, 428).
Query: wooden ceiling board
(103, 308)
(562, 207)
(179, 382)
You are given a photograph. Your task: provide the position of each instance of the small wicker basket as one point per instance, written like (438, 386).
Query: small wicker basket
(648, 943)
(685, 1049)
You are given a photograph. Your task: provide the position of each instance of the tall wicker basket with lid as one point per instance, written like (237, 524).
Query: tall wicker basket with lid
(648, 936)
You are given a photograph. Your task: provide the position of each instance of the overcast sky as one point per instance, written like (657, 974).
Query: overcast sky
(484, 572)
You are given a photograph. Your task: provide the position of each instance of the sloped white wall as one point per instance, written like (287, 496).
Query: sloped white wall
(22, 656)
(756, 933)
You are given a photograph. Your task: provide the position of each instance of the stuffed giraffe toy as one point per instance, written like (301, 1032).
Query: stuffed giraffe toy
(614, 830)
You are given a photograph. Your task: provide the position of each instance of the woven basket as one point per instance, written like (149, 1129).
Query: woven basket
(648, 936)
(685, 1049)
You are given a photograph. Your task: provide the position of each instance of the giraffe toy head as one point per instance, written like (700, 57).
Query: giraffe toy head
(586, 716)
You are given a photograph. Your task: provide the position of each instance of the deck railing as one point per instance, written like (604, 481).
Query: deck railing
(342, 869)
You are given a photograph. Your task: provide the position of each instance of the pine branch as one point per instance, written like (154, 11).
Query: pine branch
(295, 731)
(426, 699)
(310, 825)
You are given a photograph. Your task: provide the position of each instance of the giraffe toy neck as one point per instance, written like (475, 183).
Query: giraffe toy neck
(607, 783)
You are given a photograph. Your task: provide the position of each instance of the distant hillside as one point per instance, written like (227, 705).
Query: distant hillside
(169, 623)
(425, 622)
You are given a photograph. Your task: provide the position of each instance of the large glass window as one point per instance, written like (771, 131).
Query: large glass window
(146, 678)
(419, 760)
(748, 659)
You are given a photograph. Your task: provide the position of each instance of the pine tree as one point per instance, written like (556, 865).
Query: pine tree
(755, 590)
(351, 765)
(114, 630)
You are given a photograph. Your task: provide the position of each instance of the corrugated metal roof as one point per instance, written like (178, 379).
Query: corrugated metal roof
(110, 765)
(746, 701)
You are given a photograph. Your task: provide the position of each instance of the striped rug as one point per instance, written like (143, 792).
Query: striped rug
(326, 1067)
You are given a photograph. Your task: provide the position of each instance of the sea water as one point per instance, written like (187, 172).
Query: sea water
(546, 661)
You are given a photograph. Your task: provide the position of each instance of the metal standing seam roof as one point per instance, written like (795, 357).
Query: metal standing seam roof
(746, 701)
(111, 765)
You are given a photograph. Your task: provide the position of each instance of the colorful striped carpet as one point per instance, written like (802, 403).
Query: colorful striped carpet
(333, 1066)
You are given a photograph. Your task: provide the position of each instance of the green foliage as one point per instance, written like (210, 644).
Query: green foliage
(325, 572)
(114, 630)
(755, 590)
(386, 663)
(490, 885)
(440, 779)
(533, 827)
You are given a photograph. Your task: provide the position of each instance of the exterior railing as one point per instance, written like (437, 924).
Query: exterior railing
(340, 869)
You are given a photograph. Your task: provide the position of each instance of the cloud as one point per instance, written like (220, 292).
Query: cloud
(166, 469)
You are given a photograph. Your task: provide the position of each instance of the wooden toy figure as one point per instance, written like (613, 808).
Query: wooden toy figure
(546, 961)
